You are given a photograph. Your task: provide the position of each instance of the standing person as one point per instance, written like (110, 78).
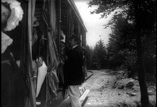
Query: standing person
(13, 84)
(74, 76)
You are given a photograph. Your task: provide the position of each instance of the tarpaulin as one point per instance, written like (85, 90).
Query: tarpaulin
(49, 16)
(52, 82)
(42, 71)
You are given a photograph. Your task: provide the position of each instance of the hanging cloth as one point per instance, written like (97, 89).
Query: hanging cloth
(51, 78)
(47, 10)
(60, 74)
(5, 42)
(52, 83)
(42, 71)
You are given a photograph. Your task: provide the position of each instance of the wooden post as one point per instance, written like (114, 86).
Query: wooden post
(30, 21)
(140, 69)
(59, 25)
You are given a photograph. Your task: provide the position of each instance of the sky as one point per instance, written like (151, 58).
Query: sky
(93, 23)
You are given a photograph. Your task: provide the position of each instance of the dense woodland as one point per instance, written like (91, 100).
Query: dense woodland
(132, 43)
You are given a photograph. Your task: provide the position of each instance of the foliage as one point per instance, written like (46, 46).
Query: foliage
(96, 58)
(89, 54)
(149, 47)
(99, 55)
(121, 47)
(107, 6)
(141, 13)
(134, 19)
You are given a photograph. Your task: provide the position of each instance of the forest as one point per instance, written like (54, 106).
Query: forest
(132, 43)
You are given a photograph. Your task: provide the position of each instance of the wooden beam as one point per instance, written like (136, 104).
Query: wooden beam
(29, 61)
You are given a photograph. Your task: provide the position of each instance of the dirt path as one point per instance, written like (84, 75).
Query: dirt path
(103, 95)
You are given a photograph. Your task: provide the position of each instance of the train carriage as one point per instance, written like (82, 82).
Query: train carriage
(45, 25)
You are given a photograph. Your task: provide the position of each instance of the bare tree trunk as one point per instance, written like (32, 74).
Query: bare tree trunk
(141, 74)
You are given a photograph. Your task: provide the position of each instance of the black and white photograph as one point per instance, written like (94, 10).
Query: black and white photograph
(78, 53)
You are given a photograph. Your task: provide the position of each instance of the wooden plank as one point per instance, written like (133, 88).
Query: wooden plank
(82, 98)
(66, 102)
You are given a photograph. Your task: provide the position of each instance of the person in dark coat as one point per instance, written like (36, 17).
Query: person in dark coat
(74, 76)
(13, 84)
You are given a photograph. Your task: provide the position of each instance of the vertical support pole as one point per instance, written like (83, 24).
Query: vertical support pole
(59, 25)
(70, 23)
(30, 21)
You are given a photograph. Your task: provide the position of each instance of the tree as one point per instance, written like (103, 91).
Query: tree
(122, 43)
(89, 53)
(99, 54)
(142, 14)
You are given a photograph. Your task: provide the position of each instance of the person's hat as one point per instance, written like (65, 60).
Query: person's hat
(15, 16)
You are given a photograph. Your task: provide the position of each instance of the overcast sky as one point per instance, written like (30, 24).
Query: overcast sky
(93, 23)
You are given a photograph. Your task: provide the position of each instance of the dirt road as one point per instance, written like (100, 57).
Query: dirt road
(102, 94)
